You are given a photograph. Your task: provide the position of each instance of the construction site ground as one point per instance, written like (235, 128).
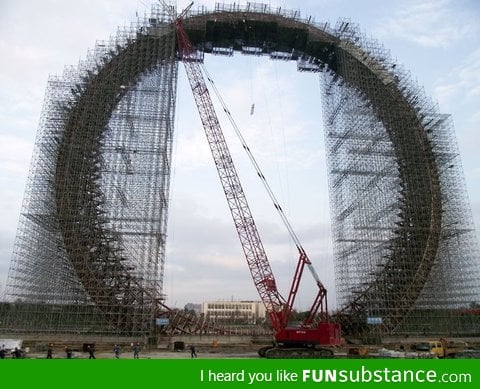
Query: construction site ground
(395, 348)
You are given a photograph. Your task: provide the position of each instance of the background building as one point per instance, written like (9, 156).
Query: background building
(245, 312)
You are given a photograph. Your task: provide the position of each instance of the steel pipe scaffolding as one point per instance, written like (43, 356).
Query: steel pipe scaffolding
(90, 246)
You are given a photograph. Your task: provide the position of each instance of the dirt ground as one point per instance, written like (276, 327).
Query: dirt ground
(393, 349)
(164, 354)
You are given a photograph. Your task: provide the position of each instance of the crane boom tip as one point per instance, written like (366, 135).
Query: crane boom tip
(185, 11)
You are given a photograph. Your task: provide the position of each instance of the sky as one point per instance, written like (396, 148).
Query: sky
(436, 40)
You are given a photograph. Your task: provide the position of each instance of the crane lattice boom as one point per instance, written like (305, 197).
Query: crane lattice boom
(254, 251)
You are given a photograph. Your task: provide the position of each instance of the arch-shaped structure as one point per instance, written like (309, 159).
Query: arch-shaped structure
(106, 142)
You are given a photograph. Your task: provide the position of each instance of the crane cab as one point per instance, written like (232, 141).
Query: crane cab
(326, 334)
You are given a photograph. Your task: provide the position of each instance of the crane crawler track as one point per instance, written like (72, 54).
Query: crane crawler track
(296, 353)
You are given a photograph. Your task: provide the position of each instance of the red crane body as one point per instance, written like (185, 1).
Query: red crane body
(309, 333)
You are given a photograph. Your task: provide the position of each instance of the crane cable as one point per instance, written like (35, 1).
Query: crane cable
(269, 190)
(255, 164)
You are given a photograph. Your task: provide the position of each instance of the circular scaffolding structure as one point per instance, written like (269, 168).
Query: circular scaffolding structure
(110, 283)
(84, 176)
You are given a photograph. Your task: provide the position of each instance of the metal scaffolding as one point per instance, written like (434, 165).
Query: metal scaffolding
(406, 254)
(89, 251)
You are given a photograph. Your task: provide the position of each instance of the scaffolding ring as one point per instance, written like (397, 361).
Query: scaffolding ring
(270, 33)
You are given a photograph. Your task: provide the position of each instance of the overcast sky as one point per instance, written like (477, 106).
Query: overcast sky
(436, 40)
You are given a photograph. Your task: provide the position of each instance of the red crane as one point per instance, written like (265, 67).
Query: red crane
(305, 338)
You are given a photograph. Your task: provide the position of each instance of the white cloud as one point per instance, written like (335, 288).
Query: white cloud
(15, 155)
(476, 117)
(462, 83)
(432, 23)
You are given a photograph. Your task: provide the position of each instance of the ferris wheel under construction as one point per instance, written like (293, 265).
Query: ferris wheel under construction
(90, 248)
